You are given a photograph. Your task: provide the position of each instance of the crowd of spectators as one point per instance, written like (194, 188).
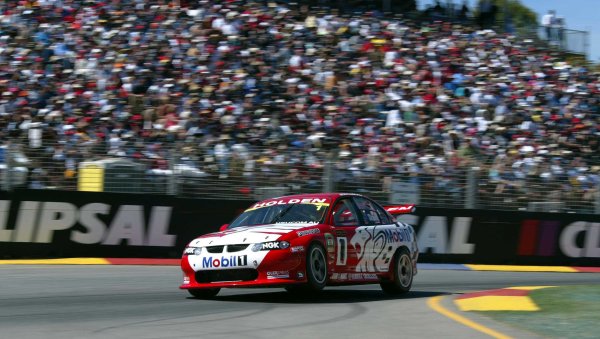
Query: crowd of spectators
(236, 87)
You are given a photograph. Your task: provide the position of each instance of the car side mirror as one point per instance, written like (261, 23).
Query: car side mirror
(223, 227)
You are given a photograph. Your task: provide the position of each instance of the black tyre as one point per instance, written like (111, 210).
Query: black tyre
(204, 293)
(316, 268)
(316, 272)
(402, 274)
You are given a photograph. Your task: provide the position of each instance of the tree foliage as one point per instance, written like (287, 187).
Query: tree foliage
(515, 12)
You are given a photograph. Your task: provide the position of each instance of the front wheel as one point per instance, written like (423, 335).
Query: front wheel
(316, 268)
(316, 272)
(204, 293)
(402, 274)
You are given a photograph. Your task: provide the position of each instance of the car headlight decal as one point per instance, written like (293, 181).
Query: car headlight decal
(192, 250)
(270, 245)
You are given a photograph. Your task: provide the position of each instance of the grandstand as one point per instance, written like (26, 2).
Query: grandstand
(244, 99)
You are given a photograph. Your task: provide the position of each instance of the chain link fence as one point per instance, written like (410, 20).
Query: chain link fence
(564, 39)
(243, 172)
(556, 36)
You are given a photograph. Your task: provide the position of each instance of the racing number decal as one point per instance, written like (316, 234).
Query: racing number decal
(342, 253)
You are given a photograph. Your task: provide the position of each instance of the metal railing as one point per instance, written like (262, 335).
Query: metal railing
(564, 39)
(555, 37)
(242, 172)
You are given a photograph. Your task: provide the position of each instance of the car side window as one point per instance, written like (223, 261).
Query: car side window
(385, 217)
(344, 214)
(369, 211)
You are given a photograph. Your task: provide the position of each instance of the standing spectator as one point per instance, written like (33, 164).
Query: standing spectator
(463, 13)
(222, 153)
(230, 79)
(547, 23)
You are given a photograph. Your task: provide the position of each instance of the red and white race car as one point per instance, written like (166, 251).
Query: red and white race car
(303, 243)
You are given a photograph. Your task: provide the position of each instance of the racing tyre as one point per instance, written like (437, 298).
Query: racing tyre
(316, 268)
(204, 293)
(402, 274)
(316, 272)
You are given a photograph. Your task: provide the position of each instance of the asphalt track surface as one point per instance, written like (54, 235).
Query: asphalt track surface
(49, 301)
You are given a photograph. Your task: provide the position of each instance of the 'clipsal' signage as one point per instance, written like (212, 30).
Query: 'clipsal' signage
(433, 234)
(37, 221)
(546, 238)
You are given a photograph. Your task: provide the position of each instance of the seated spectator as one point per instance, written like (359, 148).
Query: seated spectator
(144, 79)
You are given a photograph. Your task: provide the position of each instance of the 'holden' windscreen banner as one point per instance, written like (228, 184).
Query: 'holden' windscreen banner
(49, 224)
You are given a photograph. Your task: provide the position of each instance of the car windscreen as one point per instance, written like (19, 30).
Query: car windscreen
(282, 214)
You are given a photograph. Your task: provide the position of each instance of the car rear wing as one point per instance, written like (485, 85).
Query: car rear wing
(400, 209)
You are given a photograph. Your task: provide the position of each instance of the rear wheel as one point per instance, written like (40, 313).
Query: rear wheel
(316, 271)
(204, 293)
(402, 274)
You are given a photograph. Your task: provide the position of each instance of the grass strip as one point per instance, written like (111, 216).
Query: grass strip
(565, 312)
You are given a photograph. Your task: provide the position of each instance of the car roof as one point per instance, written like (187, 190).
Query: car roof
(331, 196)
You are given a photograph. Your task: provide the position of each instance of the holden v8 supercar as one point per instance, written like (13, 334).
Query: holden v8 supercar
(304, 243)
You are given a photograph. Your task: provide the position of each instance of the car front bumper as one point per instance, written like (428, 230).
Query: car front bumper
(277, 269)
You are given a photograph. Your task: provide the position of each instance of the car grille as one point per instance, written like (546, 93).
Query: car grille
(236, 248)
(230, 248)
(215, 249)
(240, 274)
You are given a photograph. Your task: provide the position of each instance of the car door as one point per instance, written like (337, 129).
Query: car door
(373, 240)
(345, 220)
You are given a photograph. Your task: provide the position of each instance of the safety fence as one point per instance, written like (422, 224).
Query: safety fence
(251, 173)
(563, 39)
(555, 37)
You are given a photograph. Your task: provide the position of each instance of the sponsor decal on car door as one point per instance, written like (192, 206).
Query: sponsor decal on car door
(345, 222)
(376, 242)
(375, 246)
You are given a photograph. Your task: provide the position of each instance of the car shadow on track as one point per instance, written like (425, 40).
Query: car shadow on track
(325, 297)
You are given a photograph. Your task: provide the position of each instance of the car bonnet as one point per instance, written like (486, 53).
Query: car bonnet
(249, 234)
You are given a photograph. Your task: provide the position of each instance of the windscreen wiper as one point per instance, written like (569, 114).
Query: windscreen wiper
(282, 213)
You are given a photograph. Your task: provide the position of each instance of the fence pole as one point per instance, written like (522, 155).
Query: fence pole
(8, 156)
(471, 189)
(586, 42)
(597, 207)
(328, 184)
(172, 181)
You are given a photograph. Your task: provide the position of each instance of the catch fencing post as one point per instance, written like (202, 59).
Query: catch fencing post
(7, 177)
(597, 207)
(172, 181)
(328, 185)
(471, 189)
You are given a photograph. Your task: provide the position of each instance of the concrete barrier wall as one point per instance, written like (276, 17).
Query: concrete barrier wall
(47, 224)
